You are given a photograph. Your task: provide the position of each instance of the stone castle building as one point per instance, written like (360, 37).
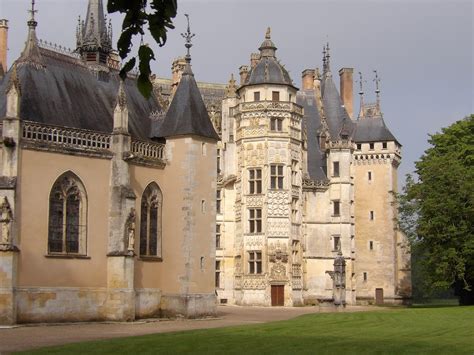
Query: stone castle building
(107, 202)
(117, 207)
(305, 211)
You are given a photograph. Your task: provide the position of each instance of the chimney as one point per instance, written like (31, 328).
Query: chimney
(243, 71)
(345, 75)
(307, 77)
(254, 58)
(3, 43)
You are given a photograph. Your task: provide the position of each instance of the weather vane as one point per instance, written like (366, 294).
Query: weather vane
(361, 81)
(188, 36)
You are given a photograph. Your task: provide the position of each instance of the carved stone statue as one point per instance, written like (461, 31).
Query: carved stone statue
(130, 228)
(338, 277)
(5, 221)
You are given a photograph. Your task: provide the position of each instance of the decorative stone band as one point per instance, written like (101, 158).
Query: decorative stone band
(268, 106)
(315, 185)
(362, 159)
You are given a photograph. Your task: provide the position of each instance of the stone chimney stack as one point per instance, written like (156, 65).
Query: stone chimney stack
(307, 77)
(243, 71)
(346, 87)
(3, 44)
(254, 58)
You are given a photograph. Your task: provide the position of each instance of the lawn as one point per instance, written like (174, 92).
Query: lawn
(442, 330)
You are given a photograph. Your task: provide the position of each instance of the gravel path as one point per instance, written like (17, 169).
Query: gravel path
(34, 336)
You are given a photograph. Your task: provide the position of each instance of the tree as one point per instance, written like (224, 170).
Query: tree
(437, 211)
(159, 20)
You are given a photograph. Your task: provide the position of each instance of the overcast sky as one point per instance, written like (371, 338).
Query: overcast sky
(422, 49)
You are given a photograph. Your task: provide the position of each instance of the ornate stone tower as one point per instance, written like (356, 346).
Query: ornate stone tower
(268, 140)
(94, 36)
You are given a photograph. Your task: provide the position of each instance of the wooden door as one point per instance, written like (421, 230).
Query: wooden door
(379, 296)
(278, 295)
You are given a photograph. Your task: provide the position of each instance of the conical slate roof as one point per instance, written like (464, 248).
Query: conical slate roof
(339, 122)
(187, 114)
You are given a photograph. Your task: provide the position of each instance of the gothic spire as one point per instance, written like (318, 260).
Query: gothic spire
(377, 91)
(93, 35)
(324, 60)
(361, 93)
(31, 54)
(328, 56)
(188, 36)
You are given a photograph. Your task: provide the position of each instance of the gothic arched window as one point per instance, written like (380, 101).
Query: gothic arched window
(67, 216)
(150, 221)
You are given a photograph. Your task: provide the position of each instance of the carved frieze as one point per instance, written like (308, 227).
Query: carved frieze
(277, 204)
(254, 201)
(278, 228)
(254, 282)
(254, 241)
(278, 272)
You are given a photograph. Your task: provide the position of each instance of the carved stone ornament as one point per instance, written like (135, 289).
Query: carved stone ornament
(130, 227)
(278, 253)
(278, 272)
(6, 218)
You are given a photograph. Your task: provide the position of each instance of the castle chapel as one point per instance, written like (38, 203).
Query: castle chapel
(117, 207)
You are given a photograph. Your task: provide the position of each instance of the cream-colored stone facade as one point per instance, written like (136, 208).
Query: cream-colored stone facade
(289, 259)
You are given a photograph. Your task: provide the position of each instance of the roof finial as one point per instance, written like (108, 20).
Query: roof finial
(32, 12)
(377, 90)
(324, 60)
(188, 36)
(327, 57)
(268, 34)
(361, 93)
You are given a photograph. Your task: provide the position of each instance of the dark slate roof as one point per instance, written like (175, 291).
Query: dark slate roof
(67, 93)
(372, 130)
(316, 159)
(268, 71)
(337, 118)
(187, 114)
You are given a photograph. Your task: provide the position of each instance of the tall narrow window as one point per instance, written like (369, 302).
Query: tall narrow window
(336, 208)
(294, 209)
(67, 216)
(218, 200)
(255, 262)
(255, 181)
(369, 175)
(218, 274)
(218, 161)
(384, 145)
(275, 96)
(276, 177)
(255, 220)
(371, 215)
(371, 245)
(150, 221)
(335, 169)
(365, 277)
(294, 172)
(256, 96)
(337, 243)
(218, 236)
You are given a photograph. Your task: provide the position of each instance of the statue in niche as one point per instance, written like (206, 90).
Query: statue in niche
(6, 220)
(130, 229)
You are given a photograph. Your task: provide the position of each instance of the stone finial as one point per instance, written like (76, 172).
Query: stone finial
(121, 111)
(122, 97)
(377, 91)
(268, 33)
(231, 88)
(361, 93)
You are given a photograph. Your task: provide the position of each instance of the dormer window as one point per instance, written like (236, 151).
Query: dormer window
(256, 96)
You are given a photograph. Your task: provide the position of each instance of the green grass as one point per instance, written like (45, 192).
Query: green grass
(447, 330)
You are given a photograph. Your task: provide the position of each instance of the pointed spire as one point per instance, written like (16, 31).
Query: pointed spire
(31, 54)
(121, 110)
(377, 91)
(13, 93)
(93, 34)
(328, 56)
(361, 93)
(188, 36)
(325, 68)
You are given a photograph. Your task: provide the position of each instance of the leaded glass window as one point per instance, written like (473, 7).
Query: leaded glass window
(150, 221)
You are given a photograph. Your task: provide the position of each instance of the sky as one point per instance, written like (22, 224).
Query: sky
(423, 50)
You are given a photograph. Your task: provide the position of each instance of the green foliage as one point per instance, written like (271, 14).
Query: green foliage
(159, 20)
(442, 330)
(437, 211)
